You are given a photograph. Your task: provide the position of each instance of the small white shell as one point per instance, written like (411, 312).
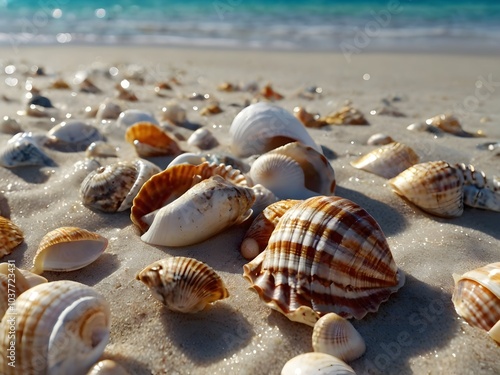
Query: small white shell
(131, 116)
(203, 139)
(262, 127)
(73, 135)
(108, 111)
(174, 113)
(316, 364)
(379, 139)
(101, 149)
(107, 367)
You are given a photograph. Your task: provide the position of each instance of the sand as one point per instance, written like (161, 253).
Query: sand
(417, 331)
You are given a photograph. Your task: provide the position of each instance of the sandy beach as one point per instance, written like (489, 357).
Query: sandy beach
(417, 331)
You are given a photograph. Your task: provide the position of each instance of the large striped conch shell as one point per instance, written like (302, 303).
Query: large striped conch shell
(317, 364)
(262, 127)
(183, 284)
(206, 209)
(477, 298)
(327, 254)
(61, 328)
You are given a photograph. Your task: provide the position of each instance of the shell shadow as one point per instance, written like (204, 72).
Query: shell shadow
(210, 335)
(481, 220)
(328, 152)
(390, 220)
(31, 174)
(4, 206)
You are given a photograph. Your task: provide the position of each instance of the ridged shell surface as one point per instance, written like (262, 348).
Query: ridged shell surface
(150, 140)
(61, 328)
(262, 127)
(24, 152)
(327, 254)
(317, 364)
(10, 236)
(479, 192)
(183, 284)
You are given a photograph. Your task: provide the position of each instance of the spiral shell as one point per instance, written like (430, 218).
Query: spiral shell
(387, 161)
(262, 127)
(317, 364)
(326, 254)
(150, 140)
(61, 328)
(183, 284)
(204, 210)
(10, 236)
(477, 298)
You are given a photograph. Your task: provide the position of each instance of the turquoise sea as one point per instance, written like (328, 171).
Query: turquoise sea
(328, 25)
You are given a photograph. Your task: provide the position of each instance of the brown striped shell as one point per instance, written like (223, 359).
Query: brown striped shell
(327, 254)
(10, 236)
(171, 183)
(183, 284)
(150, 140)
(477, 298)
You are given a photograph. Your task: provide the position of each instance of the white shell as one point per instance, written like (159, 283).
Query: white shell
(174, 113)
(101, 149)
(24, 152)
(107, 367)
(379, 139)
(108, 111)
(262, 127)
(316, 364)
(203, 139)
(74, 135)
(131, 116)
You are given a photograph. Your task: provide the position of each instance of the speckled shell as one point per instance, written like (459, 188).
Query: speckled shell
(24, 152)
(183, 284)
(294, 171)
(61, 328)
(387, 161)
(72, 135)
(171, 183)
(477, 298)
(150, 140)
(261, 127)
(317, 364)
(68, 249)
(335, 335)
(113, 188)
(435, 187)
(206, 209)
(326, 254)
(107, 367)
(10, 236)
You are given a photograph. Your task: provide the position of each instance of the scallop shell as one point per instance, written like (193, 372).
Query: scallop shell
(206, 209)
(477, 298)
(72, 135)
(317, 364)
(387, 161)
(336, 336)
(24, 152)
(294, 171)
(113, 188)
(203, 139)
(68, 249)
(61, 328)
(131, 116)
(435, 187)
(262, 127)
(171, 183)
(326, 254)
(10, 236)
(107, 367)
(183, 284)
(150, 140)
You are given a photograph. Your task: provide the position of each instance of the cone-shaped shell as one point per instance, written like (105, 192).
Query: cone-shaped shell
(435, 187)
(477, 297)
(171, 183)
(387, 161)
(61, 328)
(336, 336)
(204, 210)
(317, 364)
(10, 236)
(150, 140)
(326, 254)
(68, 249)
(183, 284)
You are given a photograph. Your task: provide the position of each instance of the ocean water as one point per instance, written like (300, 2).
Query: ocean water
(325, 25)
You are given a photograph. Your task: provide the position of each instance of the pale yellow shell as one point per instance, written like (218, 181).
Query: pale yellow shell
(317, 364)
(347, 115)
(10, 236)
(450, 124)
(183, 284)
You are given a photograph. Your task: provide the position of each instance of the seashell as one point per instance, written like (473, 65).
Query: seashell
(72, 135)
(347, 115)
(262, 127)
(263, 198)
(161, 89)
(258, 234)
(41, 101)
(61, 328)
(387, 110)
(336, 336)
(203, 139)
(379, 139)
(227, 87)
(294, 171)
(171, 183)
(114, 187)
(101, 149)
(107, 367)
(183, 284)
(89, 87)
(131, 116)
(308, 119)
(387, 161)
(450, 124)
(60, 84)
(435, 187)
(479, 192)
(108, 111)
(477, 298)
(326, 254)
(81, 169)
(10, 236)
(68, 249)
(24, 152)
(150, 140)
(317, 364)
(125, 94)
(211, 109)
(10, 125)
(212, 158)
(206, 209)
(270, 94)
(173, 112)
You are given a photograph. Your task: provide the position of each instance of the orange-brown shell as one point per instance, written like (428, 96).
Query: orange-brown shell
(327, 254)
(150, 140)
(10, 236)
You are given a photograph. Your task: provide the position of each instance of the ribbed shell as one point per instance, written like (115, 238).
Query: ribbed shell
(326, 254)
(10, 236)
(479, 192)
(436, 187)
(171, 183)
(183, 284)
(387, 161)
(150, 140)
(317, 364)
